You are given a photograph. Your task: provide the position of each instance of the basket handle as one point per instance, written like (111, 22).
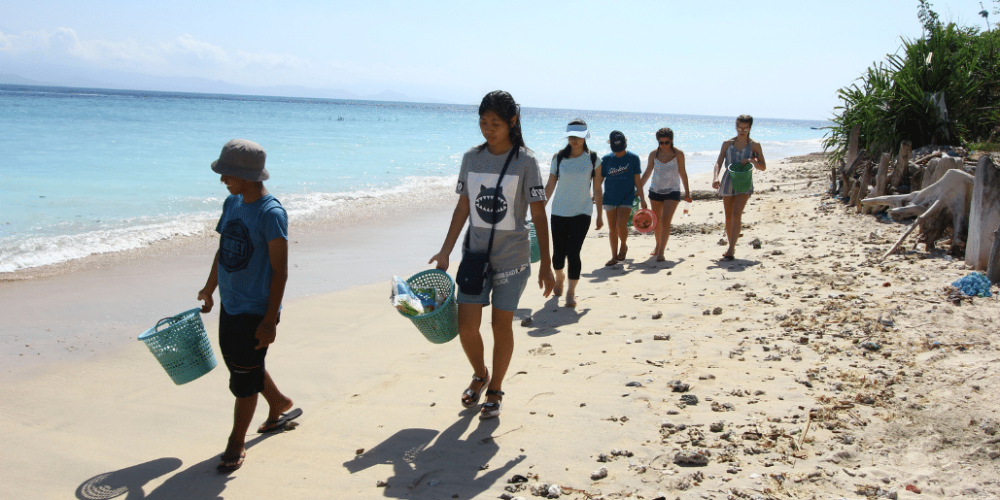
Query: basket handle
(168, 318)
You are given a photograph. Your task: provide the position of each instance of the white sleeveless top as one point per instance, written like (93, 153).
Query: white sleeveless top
(666, 178)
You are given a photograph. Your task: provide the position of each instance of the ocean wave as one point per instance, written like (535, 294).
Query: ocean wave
(27, 251)
(37, 251)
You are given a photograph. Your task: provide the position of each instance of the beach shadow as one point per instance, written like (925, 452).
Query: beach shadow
(449, 467)
(548, 319)
(736, 265)
(128, 481)
(198, 482)
(604, 273)
(653, 267)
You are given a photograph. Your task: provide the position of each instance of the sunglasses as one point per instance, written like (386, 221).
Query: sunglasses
(664, 143)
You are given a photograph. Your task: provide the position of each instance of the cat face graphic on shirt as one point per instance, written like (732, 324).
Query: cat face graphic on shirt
(485, 203)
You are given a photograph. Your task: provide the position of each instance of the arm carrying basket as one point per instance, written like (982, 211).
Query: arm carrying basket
(182, 348)
(441, 324)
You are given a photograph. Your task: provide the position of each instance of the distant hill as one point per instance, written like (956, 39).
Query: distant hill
(12, 79)
(62, 76)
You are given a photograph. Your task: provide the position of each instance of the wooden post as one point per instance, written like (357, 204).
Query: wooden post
(864, 185)
(984, 214)
(880, 179)
(993, 268)
(902, 163)
(847, 171)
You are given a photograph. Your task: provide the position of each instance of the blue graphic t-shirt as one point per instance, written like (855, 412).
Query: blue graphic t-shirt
(244, 260)
(619, 178)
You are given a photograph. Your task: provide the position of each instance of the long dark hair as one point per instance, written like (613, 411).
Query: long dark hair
(503, 104)
(745, 119)
(564, 152)
(665, 133)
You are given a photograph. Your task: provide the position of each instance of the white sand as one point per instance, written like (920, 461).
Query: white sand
(915, 407)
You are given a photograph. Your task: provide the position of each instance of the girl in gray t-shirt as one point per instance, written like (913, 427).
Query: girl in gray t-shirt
(501, 209)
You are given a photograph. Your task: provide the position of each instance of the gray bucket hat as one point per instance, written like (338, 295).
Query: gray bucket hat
(243, 159)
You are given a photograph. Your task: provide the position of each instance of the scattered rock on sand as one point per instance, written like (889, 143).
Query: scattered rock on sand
(692, 457)
(599, 474)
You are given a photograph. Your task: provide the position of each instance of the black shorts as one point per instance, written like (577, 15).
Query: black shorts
(671, 196)
(237, 341)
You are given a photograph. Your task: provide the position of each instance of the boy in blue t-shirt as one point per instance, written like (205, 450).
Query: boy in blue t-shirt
(250, 270)
(620, 172)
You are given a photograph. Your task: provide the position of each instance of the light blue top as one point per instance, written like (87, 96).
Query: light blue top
(573, 189)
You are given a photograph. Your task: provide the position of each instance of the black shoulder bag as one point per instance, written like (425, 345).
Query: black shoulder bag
(475, 270)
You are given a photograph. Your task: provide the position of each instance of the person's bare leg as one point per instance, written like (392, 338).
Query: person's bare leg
(470, 316)
(738, 204)
(560, 279)
(571, 293)
(242, 416)
(657, 207)
(623, 215)
(277, 402)
(727, 207)
(669, 208)
(613, 236)
(503, 349)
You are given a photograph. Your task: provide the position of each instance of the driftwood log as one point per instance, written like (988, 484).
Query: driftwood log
(993, 269)
(902, 163)
(937, 167)
(846, 173)
(880, 181)
(984, 216)
(942, 205)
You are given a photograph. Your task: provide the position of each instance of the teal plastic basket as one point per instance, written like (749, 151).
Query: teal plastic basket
(182, 347)
(441, 324)
(536, 251)
(741, 177)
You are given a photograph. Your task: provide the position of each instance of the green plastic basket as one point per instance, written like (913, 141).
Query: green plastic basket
(536, 251)
(441, 324)
(635, 208)
(182, 348)
(741, 177)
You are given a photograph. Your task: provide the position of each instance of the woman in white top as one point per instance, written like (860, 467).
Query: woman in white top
(572, 174)
(666, 166)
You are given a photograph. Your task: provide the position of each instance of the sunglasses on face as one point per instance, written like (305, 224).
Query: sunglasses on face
(664, 143)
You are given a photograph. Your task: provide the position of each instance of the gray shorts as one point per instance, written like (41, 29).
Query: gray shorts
(507, 287)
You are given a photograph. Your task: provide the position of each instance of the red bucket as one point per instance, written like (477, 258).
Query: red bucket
(644, 220)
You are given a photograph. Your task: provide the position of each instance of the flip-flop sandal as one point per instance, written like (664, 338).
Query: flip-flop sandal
(226, 468)
(726, 256)
(491, 409)
(271, 426)
(473, 396)
(570, 301)
(611, 262)
(621, 256)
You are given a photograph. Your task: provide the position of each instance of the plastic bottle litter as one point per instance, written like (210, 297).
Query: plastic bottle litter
(414, 301)
(974, 285)
(687, 209)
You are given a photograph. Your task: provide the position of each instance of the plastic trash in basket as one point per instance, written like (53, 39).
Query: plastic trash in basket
(182, 348)
(441, 324)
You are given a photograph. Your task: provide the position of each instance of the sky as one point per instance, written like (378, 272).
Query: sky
(767, 58)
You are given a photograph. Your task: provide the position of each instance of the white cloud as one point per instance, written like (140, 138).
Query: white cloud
(186, 53)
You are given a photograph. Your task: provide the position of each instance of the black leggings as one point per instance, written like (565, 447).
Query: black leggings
(568, 234)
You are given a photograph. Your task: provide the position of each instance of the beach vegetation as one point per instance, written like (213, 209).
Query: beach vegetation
(943, 89)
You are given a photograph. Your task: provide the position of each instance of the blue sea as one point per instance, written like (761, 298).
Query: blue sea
(89, 171)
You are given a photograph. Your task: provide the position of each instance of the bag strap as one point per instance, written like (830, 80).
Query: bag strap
(496, 199)
(593, 163)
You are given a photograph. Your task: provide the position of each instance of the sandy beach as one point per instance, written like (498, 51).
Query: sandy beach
(803, 369)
